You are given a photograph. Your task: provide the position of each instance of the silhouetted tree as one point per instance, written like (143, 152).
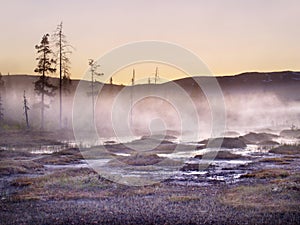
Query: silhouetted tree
(63, 60)
(131, 95)
(156, 78)
(26, 109)
(45, 66)
(93, 68)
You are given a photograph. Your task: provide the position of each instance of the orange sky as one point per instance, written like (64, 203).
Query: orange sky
(229, 36)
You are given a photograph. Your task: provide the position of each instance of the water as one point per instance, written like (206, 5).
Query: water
(80, 165)
(219, 170)
(42, 149)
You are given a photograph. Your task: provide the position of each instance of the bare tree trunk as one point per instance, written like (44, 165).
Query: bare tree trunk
(60, 78)
(42, 113)
(26, 108)
(93, 100)
(43, 96)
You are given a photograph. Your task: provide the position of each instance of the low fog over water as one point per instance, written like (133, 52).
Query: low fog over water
(252, 101)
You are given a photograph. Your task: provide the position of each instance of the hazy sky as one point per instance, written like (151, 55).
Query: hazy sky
(230, 36)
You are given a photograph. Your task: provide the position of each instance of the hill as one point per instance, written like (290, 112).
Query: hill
(251, 99)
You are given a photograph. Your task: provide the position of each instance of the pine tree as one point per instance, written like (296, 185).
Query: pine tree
(62, 56)
(42, 86)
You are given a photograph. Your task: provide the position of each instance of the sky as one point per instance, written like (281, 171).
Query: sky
(229, 36)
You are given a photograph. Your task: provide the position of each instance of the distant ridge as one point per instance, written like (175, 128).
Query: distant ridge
(249, 76)
(284, 84)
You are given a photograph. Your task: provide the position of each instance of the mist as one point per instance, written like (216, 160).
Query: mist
(175, 108)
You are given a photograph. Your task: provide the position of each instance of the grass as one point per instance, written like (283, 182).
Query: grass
(137, 159)
(286, 149)
(278, 161)
(196, 166)
(183, 198)
(6, 154)
(65, 184)
(245, 195)
(59, 159)
(147, 190)
(275, 160)
(221, 155)
(72, 178)
(8, 167)
(267, 174)
(71, 184)
(22, 181)
(279, 195)
(293, 182)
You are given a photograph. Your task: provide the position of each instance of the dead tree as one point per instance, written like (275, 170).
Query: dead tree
(131, 95)
(63, 59)
(93, 68)
(156, 78)
(26, 109)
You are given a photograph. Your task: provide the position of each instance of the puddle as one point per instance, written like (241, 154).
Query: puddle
(82, 165)
(121, 154)
(47, 149)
